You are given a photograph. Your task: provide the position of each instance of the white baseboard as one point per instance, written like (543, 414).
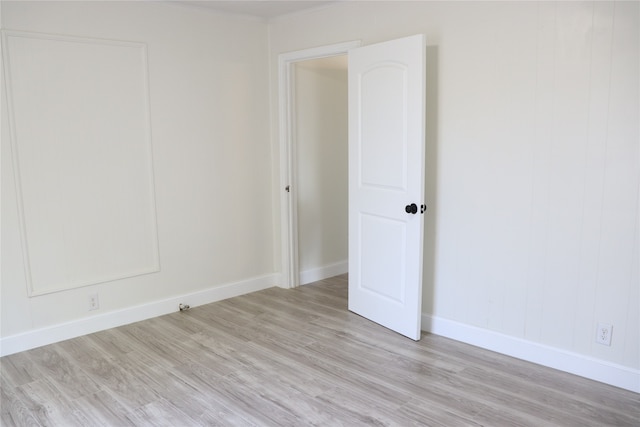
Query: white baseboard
(595, 369)
(63, 331)
(324, 272)
(574, 363)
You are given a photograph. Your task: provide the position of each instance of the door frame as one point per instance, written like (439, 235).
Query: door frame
(288, 164)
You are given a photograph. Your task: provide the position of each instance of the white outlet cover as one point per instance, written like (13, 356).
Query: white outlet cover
(603, 334)
(94, 303)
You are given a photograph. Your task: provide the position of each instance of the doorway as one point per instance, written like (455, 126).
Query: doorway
(321, 163)
(386, 128)
(313, 178)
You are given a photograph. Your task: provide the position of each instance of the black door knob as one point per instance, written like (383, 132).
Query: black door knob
(412, 208)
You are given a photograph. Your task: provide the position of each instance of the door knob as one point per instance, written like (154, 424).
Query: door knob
(412, 208)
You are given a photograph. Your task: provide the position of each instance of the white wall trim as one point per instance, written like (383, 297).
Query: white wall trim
(51, 280)
(574, 363)
(324, 272)
(63, 331)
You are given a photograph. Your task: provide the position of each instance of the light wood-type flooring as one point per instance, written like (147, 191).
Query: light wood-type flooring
(291, 358)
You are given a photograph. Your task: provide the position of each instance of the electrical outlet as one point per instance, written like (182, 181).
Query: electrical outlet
(603, 334)
(93, 302)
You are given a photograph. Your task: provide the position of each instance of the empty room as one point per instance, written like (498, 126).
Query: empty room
(269, 213)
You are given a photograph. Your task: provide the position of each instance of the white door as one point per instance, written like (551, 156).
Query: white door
(386, 177)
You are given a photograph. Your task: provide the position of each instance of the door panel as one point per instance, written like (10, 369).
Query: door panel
(382, 261)
(383, 110)
(386, 173)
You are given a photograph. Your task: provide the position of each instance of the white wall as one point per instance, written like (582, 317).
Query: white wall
(211, 157)
(532, 168)
(321, 151)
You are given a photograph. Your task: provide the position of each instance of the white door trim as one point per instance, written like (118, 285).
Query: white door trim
(288, 175)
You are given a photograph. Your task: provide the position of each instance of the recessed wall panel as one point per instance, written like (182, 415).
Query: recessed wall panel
(81, 142)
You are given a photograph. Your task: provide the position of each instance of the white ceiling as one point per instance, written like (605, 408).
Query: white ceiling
(261, 8)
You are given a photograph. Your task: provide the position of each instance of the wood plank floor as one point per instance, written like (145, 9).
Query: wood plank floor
(291, 358)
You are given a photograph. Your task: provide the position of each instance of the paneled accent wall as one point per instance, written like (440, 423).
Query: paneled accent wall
(141, 139)
(532, 164)
(81, 144)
